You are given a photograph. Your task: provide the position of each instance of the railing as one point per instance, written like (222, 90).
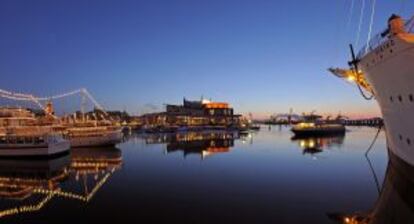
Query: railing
(375, 41)
(410, 25)
(380, 38)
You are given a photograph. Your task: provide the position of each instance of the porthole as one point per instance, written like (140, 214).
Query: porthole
(391, 51)
(411, 97)
(408, 141)
(391, 99)
(400, 98)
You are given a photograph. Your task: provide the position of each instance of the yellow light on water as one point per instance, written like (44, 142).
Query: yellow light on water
(311, 144)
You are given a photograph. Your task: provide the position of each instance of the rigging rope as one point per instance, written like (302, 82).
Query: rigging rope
(27, 97)
(374, 140)
(369, 161)
(361, 19)
(350, 14)
(377, 184)
(370, 24)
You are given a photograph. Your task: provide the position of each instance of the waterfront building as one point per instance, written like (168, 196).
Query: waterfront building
(194, 113)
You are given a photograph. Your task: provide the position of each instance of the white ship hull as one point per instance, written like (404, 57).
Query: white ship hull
(389, 70)
(109, 138)
(46, 149)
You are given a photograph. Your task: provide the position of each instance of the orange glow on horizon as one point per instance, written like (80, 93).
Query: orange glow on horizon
(352, 113)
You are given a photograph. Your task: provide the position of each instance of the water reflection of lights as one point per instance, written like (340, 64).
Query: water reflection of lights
(308, 143)
(248, 138)
(314, 145)
(21, 184)
(204, 143)
(26, 208)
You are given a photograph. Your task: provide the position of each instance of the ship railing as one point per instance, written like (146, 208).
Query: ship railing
(380, 38)
(376, 41)
(410, 25)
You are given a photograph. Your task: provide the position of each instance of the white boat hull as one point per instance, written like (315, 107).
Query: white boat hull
(50, 149)
(390, 71)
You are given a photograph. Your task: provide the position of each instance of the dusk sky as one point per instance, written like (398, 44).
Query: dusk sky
(262, 57)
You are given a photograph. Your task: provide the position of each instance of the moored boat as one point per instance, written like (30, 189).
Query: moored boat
(94, 128)
(384, 69)
(20, 136)
(313, 126)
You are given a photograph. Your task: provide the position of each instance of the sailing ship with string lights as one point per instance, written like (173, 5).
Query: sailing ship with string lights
(384, 70)
(82, 130)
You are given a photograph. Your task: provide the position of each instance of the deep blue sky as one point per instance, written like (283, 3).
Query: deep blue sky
(261, 56)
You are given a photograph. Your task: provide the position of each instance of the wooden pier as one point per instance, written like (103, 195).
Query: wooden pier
(372, 122)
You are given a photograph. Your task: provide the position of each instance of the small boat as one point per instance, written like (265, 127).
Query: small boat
(20, 136)
(251, 124)
(313, 126)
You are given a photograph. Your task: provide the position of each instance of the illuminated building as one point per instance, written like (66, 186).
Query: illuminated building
(194, 113)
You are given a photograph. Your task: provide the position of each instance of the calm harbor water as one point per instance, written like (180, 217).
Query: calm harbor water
(262, 177)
